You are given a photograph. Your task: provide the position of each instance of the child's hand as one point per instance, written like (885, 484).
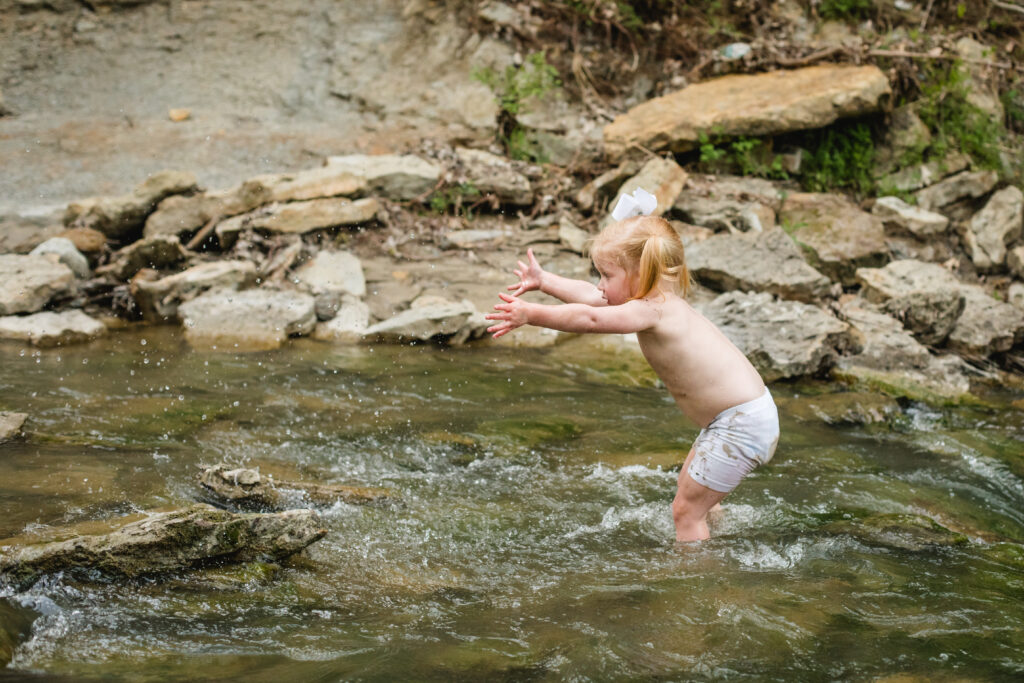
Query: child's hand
(529, 275)
(512, 314)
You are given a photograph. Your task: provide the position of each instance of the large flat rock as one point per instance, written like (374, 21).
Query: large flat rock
(759, 104)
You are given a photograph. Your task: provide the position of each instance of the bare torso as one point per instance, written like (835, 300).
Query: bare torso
(704, 371)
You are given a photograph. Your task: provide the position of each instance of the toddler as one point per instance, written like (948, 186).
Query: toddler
(643, 285)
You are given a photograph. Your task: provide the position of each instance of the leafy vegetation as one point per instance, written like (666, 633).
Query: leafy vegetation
(843, 9)
(511, 87)
(745, 155)
(455, 199)
(955, 123)
(842, 156)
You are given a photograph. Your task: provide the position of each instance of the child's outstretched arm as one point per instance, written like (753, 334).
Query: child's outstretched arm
(631, 316)
(532, 276)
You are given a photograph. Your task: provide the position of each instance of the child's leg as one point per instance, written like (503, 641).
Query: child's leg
(691, 505)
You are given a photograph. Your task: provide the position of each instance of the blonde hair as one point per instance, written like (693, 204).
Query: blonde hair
(648, 248)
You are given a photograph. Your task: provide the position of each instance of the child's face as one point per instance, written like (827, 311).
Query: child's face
(616, 284)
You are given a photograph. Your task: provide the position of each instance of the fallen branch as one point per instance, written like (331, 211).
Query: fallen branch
(1007, 6)
(925, 55)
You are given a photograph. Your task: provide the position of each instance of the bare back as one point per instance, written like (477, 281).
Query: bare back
(704, 371)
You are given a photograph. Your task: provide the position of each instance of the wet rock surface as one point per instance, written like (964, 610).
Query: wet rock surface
(247, 488)
(161, 542)
(51, 329)
(10, 424)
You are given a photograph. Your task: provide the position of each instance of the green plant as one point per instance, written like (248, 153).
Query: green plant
(956, 124)
(842, 157)
(749, 156)
(841, 9)
(454, 199)
(534, 78)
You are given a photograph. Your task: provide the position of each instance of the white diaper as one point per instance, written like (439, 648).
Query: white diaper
(737, 440)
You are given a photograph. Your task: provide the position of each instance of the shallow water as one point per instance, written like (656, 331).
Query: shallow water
(532, 539)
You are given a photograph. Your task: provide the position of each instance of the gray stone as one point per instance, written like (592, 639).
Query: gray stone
(894, 212)
(1015, 262)
(348, 326)
(1015, 294)
(986, 326)
(299, 217)
(21, 234)
(954, 188)
(729, 202)
(250, 320)
(494, 175)
(911, 533)
(893, 361)
(337, 272)
(391, 175)
(781, 338)
(120, 217)
(925, 296)
(248, 489)
(918, 176)
(905, 133)
(67, 254)
(604, 185)
(159, 251)
(749, 104)
(159, 299)
(836, 234)
(994, 227)
(763, 262)
(572, 237)
(10, 424)
(181, 215)
(472, 239)
(159, 542)
(27, 283)
(430, 318)
(51, 329)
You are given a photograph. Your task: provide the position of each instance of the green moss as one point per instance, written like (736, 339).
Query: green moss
(454, 199)
(747, 156)
(955, 123)
(844, 9)
(842, 157)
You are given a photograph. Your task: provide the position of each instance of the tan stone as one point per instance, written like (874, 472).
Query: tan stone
(760, 104)
(663, 178)
(179, 115)
(86, 240)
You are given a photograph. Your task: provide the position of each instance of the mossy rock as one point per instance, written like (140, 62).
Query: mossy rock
(898, 531)
(903, 385)
(846, 408)
(532, 432)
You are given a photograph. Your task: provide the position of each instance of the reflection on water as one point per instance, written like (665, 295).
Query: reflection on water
(532, 539)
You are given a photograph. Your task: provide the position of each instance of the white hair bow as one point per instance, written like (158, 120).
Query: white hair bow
(641, 203)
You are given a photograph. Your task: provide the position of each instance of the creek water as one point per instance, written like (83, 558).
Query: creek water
(530, 537)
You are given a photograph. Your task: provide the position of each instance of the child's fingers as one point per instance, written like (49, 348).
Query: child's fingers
(506, 297)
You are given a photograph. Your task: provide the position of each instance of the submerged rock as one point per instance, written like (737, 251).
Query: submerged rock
(247, 488)
(846, 408)
(761, 262)
(15, 627)
(781, 338)
(915, 533)
(161, 542)
(10, 424)
(28, 283)
(51, 329)
(250, 320)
